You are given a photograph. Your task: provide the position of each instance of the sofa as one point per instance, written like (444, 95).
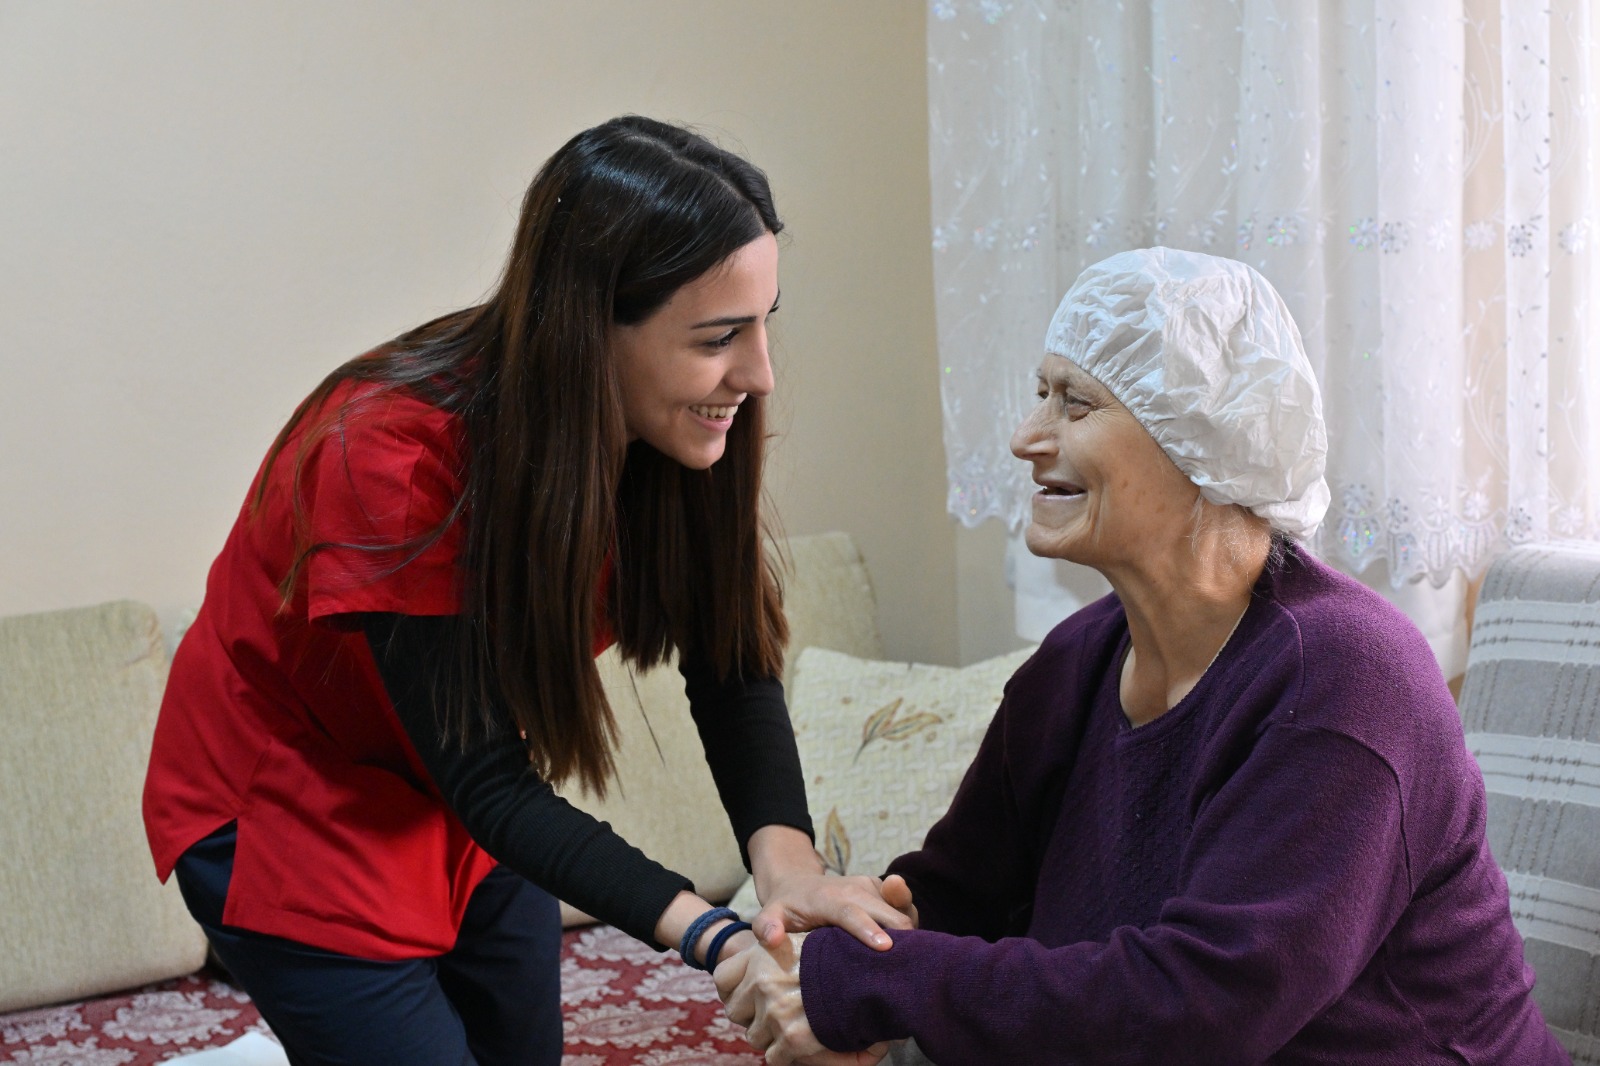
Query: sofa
(99, 962)
(1530, 706)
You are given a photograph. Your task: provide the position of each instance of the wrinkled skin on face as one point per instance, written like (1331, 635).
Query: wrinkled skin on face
(1106, 488)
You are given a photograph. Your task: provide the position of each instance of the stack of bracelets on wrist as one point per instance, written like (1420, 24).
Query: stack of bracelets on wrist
(698, 927)
(720, 939)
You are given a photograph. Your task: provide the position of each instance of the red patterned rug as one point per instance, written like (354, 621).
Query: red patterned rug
(624, 1005)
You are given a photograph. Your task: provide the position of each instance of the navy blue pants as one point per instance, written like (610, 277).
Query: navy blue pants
(492, 999)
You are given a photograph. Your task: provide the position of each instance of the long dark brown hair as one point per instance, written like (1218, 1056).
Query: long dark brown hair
(614, 223)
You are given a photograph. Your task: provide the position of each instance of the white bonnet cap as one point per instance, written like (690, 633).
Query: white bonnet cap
(1204, 353)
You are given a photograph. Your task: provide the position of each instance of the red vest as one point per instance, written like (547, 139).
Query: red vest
(276, 717)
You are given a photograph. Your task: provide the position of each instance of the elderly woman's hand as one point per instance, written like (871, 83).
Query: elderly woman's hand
(760, 987)
(862, 906)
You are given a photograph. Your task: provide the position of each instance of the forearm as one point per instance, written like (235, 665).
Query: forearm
(967, 1000)
(778, 852)
(520, 821)
(749, 745)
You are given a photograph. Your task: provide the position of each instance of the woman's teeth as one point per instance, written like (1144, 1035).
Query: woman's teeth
(716, 414)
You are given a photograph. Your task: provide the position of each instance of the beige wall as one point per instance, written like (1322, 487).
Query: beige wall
(204, 207)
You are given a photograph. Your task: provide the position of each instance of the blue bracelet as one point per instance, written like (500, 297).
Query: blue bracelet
(720, 939)
(697, 927)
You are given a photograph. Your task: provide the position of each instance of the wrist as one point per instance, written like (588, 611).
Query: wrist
(705, 935)
(674, 921)
(778, 853)
(722, 940)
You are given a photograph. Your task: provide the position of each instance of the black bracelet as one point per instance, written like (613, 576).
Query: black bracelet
(720, 939)
(697, 927)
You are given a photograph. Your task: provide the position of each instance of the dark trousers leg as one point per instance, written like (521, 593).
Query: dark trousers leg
(504, 974)
(493, 999)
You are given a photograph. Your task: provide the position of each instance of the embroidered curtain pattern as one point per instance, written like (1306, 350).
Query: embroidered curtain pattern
(1417, 177)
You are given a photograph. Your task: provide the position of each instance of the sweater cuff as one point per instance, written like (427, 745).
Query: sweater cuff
(847, 988)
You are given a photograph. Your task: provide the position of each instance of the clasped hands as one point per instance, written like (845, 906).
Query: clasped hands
(759, 982)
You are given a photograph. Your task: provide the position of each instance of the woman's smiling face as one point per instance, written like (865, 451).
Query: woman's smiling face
(1106, 487)
(686, 369)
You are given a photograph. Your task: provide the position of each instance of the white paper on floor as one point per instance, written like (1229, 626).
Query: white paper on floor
(251, 1049)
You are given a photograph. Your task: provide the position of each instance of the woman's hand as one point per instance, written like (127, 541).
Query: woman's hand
(862, 906)
(761, 989)
(797, 895)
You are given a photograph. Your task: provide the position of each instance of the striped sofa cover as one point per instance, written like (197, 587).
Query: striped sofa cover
(1530, 705)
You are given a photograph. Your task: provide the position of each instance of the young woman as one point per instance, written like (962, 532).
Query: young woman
(393, 663)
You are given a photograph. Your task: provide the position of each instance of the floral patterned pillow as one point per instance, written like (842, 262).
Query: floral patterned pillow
(883, 746)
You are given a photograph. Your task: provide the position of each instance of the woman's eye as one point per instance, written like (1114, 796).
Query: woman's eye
(1077, 407)
(724, 340)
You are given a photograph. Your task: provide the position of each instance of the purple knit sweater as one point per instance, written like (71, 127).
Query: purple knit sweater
(1287, 867)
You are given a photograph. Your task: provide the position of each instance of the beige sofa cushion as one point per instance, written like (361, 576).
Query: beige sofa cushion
(884, 746)
(665, 803)
(828, 598)
(83, 912)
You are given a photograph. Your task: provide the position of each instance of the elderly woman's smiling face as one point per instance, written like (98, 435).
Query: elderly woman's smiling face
(1106, 487)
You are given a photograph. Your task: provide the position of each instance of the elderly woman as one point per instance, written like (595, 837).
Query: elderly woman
(1225, 814)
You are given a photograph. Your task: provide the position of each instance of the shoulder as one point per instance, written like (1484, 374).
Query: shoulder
(1356, 677)
(1333, 605)
(366, 414)
(385, 439)
(1363, 669)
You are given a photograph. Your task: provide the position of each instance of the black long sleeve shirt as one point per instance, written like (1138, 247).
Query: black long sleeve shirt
(519, 819)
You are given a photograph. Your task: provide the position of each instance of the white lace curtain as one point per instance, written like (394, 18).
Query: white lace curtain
(1417, 177)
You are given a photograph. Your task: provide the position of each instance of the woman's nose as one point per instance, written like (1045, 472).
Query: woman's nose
(752, 373)
(1030, 439)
